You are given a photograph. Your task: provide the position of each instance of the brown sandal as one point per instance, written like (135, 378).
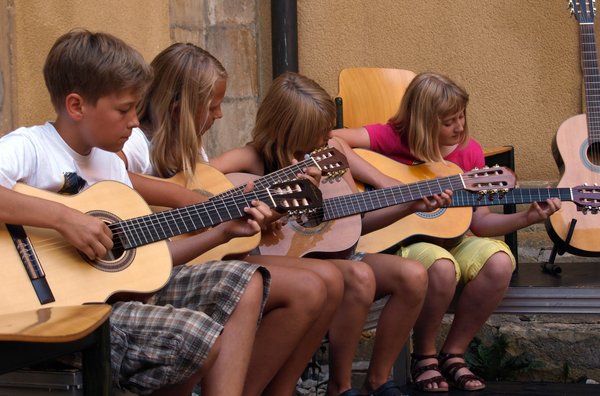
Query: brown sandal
(451, 369)
(416, 371)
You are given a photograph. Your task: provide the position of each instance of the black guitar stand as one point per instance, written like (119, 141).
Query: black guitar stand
(550, 267)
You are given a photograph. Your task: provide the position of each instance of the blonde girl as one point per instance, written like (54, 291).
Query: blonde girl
(431, 125)
(295, 117)
(182, 103)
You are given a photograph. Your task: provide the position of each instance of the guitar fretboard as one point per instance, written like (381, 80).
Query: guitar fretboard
(159, 226)
(589, 61)
(347, 205)
(287, 173)
(516, 196)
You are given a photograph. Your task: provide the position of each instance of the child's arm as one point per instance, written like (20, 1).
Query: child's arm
(87, 233)
(163, 193)
(355, 137)
(488, 224)
(242, 159)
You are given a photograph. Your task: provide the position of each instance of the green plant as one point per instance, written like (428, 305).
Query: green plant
(494, 363)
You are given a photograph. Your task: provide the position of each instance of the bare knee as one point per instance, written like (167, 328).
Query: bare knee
(414, 281)
(359, 282)
(498, 269)
(442, 273)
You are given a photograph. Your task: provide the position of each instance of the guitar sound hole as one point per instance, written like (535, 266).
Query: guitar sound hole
(117, 259)
(116, 252)
(593, 153)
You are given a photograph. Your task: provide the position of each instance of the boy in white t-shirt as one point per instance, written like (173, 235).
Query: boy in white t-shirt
(200, 326)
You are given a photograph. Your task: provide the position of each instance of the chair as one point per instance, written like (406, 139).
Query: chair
(370, 95)
(32, 337)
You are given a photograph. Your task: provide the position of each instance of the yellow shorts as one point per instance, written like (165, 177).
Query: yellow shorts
(468, 256)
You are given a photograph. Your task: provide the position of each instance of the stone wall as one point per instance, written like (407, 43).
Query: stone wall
(6, 75)
(228, 30)
(565, 345)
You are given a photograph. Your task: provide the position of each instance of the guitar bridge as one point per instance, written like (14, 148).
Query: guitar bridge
(31, 263)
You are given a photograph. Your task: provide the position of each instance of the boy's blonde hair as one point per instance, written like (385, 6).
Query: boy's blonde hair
(294, 116)
(184, 80)
(93, 65)
(429, 99)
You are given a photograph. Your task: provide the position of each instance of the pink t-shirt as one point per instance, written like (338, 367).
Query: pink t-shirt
(386, 141)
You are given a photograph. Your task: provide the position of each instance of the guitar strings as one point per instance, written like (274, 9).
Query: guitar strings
(592, 89)
(376, 199)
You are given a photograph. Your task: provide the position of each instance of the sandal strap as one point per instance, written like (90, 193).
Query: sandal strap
(450, 370)
(462, 380)
(417, 371)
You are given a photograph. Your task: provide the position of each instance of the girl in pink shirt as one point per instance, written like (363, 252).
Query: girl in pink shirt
(431, 126)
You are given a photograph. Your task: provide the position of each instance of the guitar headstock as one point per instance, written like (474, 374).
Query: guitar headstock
(296, 197)
(587, 198)
(489, 180)
(584, 10)
(331, 161)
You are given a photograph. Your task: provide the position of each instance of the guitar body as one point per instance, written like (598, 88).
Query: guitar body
(576, 146)
(209, 182)
(579, 162)
(331, 239)
(72, 279)
(445, 223)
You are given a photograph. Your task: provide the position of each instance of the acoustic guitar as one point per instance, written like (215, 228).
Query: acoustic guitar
(335, 229)
(576, 148)
(209, 182)
(454, 220)
(40, 268)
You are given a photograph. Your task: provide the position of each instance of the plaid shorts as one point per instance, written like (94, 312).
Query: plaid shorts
(167, 339)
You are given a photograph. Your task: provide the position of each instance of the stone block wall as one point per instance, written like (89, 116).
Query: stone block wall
(227, 29)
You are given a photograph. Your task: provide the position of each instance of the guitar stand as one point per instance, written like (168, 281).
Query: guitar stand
(550, 267)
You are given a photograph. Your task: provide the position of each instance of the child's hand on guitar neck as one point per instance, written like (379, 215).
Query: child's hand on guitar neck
(259, 218)
(429, 204)
(311, 173)
(540, 211)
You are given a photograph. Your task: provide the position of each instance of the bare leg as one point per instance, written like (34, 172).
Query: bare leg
(306, 293)
(442, 285)
(228, 371)
(476, 303)
(346, 328)
(405, 281)
(227, 375)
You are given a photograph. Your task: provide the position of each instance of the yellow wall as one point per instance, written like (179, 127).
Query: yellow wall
(38, 23)
(519, 60)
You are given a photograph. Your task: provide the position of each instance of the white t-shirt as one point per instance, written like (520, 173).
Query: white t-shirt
(137, 152)
(39, 157)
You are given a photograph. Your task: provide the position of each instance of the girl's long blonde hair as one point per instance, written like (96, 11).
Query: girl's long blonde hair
(294, 117)
(184, 79)
(429, 99)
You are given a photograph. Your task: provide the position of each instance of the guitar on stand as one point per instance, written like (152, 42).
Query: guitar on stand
(576, 150)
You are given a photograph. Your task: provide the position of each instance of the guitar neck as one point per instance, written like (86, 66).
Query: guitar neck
(589, 62)
(367, 201)
(287, 173)
(159, 226)
(515, 196)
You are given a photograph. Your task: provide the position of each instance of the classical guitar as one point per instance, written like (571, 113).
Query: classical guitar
(209, 182)
(306, 239)
(453, 221)
(576, 148)
(41, 269)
